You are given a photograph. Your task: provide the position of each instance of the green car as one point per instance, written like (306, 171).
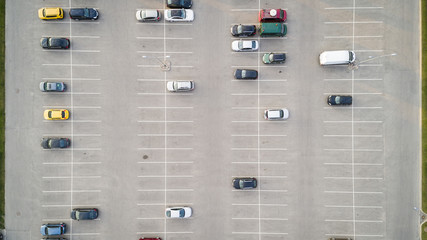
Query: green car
(270, 58)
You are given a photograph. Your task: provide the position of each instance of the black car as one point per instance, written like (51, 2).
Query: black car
(245, 74)
(340, 100)
(84, 213)
(48, 143)
(243, 30)
(54, 43)
(271, 58)
(244, 183)
(84, 13)
(179, 3)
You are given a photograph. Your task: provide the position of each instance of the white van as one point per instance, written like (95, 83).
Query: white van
(337, 57)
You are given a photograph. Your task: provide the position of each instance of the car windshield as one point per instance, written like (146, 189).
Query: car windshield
(168, 213)
(337, 99)
(49, 114)
(241, 184)
(63, 114)
(239, 29)
(178, 14)
(86, 12)
(181, 213)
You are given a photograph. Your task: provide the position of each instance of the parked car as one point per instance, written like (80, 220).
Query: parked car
(54, 43)
(243, 30)
(337, 57)
(272, 15)
(84, 13)
(50, 229)
(179, 3)
(276, 114)
(180, 86)
(246, 74)
(148, 15)
(179, 15)
(51, 13)
(84, 214)
(178, 212)
(244, 183)
(270, 58)
(56, 114)
(51, 142)
(244, 45)
(340, 100)
(52, 86)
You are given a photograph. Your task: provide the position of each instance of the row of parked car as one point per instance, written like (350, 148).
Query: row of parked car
(184, 14)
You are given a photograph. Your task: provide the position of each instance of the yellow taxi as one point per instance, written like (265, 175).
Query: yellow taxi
(51, 13)
(56, 114)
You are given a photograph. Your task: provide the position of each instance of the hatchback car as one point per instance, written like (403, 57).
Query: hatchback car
(84, 13)
(148, 15)
(50, 229)
(244, 45)
(244, 183)
(179, 3)
(56, 114)
(51, 13)
(272, 15)
(243, 30)
(270, 58)
(49, 143)
(179, 15)
(52, 86)
(178, 212)
(339, 100)
(246, 74)
(54, 43)
(276, 114)
(180, 86)
(84, 214)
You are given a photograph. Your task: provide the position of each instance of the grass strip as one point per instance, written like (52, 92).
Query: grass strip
(424, 108)
(2, 113)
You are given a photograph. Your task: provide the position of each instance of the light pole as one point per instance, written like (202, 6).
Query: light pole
(165, 65)
(370, 58)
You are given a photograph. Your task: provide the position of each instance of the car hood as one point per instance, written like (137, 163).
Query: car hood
(43, 42)
(44, 143)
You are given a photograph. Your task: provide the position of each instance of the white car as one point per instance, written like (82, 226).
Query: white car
(146, 15)
(244, 45)
(276, 114)
(180, 86)
(179, 15)
(178, 212)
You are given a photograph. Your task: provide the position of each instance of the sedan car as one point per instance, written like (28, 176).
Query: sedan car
(49, 143)
(84, 214)
(50, 229)
(52, 86)
(180, 86)
(148, 15)
(246, 74)
(339, 100)
(276, 114)
(178, 212)
(244, 45)
(244, 183)
(179, 3)
(51, 13)
(270, 58)
(179, 15)
(243, 30)
(56, 114)
(84, 13)
(54, 43)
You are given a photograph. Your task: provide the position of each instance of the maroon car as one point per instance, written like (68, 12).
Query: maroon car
(272, 15)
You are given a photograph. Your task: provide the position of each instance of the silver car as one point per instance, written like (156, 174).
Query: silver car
(148, 15)
(180, 86)
(276, 114)
(178, 212)
(244, 45)
(52, 86)
(179, 15)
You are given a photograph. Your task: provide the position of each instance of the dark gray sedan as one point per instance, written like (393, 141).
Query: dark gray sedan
(179, 3)
(54, 43)
(245, 74)
(244, 183)
(340, 100)
(84, 13)
(84, 214)
(49, 143)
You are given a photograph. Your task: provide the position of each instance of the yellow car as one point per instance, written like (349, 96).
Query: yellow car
(51, 13)
(56, 114)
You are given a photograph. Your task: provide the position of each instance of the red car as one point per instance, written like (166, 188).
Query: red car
(272, 15)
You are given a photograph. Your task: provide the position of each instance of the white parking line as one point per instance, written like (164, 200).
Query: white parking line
(169, 176)
(86, 51)
(261, 135)
(165, 135)
(72, 191)
(160, 80)
(166, 108)
(156, 66)
(168, 94)
(363, 22)
(69, 22)
(368, 50)
(85, 37)
(356, 164)
(334, 37)
(355, 178)
(162, 204)
(351, 234)
(258, 66)
(351, 220)
(68, 206)
(268, 219)
(164, 232)
(263, 80)
(355, 93)
(74, 79)
(188, 162)
(76, 135)
(349, 79)
(352, 8)
(356, 150)
(152, 218)
(166, 38)
(165, 190)
(261, 149)
(260, 233)
(262, 204)
(278, 163)
(69, 65)
(73, 107)
(166, 24)
(183, 149)
(260, 190)
(262, 121)
(338, 121)
(370, 65)
(245, 9)
(351, 192)
(343, 135)
(259, 94)
(69, 163)
(81, 234)
(164, 52)
(154, 121)
(348, 206)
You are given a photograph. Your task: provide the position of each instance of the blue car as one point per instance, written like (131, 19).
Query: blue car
(50, 229)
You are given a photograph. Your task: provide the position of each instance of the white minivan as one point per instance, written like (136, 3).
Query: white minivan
(337, 57)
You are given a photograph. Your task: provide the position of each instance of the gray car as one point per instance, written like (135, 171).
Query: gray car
(52, 86)
(84, 214)
(148, 15)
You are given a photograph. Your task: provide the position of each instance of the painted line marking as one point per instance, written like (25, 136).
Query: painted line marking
(344, 206)
(351, 192)
(361, 136)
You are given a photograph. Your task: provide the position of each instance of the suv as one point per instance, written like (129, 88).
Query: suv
(272, 29)
(243, 30)
(276, 114)
(270, 58)
(84, 13)
(272, 15)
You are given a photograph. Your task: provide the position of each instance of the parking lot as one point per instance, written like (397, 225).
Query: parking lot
(136, 149)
